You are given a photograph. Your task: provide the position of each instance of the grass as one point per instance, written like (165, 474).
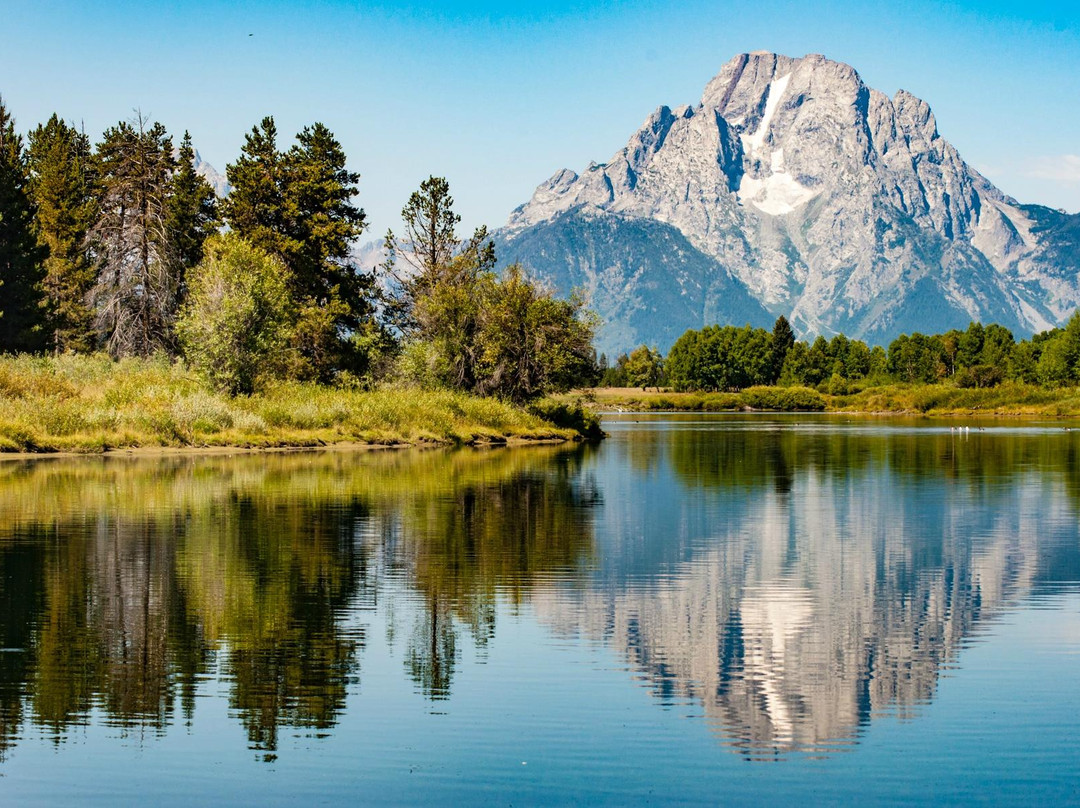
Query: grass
(787, 399)
(93, 404)
(1010, 398)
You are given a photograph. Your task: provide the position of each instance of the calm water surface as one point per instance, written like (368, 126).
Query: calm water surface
(703, 609)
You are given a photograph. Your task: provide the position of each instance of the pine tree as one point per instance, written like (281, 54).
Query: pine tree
(192, 214)
(782, 340)
(419, 261)
(255, 207)
(21, 272)
(60, 184)
(298, 207)
(322, 223)
(137, 290)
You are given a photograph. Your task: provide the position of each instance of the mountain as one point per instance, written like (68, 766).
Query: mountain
(216, 180)
(793, 188)
(213, 177)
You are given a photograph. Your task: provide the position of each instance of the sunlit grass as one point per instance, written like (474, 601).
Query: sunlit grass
(92, 404)
(1010, 398)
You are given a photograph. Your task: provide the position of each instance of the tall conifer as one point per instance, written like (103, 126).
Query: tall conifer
(21, 311)
(61, 186)
(138, 286)
(255, 207)
(192, 214)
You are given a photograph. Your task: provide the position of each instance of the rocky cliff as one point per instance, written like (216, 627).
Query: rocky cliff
(793, 188)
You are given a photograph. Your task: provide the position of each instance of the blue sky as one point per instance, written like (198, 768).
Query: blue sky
(497, 96)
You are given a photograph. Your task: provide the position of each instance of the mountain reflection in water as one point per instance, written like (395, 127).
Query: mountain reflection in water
(793, 579)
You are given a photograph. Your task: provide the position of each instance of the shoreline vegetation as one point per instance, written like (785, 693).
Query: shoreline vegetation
(139, 310)
(1014, 399)
(93, 404)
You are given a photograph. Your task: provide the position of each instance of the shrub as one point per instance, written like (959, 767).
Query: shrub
(569, 416)
(783, 399)
(237, 323)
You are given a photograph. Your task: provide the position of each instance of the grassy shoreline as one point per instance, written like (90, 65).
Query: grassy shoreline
(1005, 400)
(91, 405)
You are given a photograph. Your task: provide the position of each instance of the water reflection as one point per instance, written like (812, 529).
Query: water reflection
(792, 579)
(807, 579)
(127, 582)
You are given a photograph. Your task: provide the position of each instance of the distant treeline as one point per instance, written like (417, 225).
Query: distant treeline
(121, 246)
(728, 358)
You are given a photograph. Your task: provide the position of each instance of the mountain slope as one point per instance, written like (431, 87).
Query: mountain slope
(645, 278)
(816, 197)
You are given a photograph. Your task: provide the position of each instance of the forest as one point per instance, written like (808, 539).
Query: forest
(121, 247)
(728, 359)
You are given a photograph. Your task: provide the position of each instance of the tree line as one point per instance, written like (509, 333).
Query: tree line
(122, 246)
(728, 358)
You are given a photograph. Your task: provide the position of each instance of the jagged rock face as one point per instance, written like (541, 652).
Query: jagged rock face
(216, 180)
(823, 198)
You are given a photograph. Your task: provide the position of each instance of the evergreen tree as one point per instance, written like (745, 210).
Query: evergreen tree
(138, 286)
(61, 179)
(782, 340)
(298, 206)
(192, 209)
(255, 207)
(21, 271)
(418, 262)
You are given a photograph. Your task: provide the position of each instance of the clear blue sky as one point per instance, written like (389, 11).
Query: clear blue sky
(496, 96)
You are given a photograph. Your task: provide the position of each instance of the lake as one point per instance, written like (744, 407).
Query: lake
(709, 609)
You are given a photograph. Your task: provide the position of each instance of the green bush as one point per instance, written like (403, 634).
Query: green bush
(567, 415)
(783, 399)
(238, 321)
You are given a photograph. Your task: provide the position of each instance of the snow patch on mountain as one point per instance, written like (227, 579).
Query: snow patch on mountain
(827, 200)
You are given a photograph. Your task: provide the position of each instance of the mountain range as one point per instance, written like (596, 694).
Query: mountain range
(793, 188)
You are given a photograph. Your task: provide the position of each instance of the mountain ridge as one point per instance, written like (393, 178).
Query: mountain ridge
(823, 198)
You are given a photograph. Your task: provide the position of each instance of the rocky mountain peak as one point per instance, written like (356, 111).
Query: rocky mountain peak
(829, 201)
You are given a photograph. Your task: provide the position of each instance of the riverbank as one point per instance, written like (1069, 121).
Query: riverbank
(1009, 399)
(91, 404)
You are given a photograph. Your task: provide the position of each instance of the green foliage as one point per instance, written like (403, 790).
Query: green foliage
(61, 183)
(783, 338)
(531, 343)
(505, 337)
(467, 329)
(979, 376)
(643, 368)
(21, 257)
(916, 358)
(298, 207)
(970, 345)
(783, 399)
(192, 215)
(255, 206)
(721, 358)
(614, 376)
(237, 324)
(569, 415)
(428, 255)
(138, 286)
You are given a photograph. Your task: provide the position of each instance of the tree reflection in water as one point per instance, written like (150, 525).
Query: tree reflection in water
(124, 580)
(793, 580)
